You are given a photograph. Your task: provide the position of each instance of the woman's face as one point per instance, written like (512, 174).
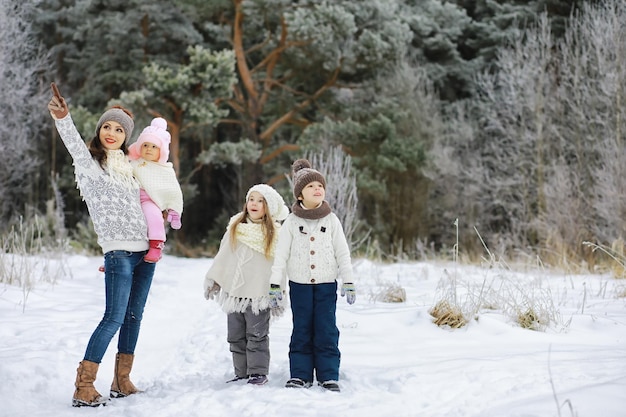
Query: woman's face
(256, 206)
(112, 135)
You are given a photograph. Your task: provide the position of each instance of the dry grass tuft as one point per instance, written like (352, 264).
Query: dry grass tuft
(390, 293)
(530, 319)
(617, 248)
(446, 315)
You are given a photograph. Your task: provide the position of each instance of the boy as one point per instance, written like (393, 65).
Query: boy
(313, 252)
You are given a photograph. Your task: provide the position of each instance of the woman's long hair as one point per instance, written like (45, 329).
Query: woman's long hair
(98, 152)
(267, 225)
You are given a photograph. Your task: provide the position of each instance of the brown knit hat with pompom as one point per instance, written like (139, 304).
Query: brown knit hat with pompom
(303, 174)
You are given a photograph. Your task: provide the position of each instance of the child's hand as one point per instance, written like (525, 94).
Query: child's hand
(349, 291)
(276, 294)
(174, 219)
(211, 288)
(57, 105)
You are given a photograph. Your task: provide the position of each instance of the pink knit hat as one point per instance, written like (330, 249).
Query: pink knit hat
(155, 133)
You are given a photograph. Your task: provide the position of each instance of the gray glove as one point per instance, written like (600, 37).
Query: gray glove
(211, 288)
(276, 295)
(349, 291)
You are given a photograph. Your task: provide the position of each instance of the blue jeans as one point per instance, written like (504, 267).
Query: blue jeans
(127, 281)
(314, 345)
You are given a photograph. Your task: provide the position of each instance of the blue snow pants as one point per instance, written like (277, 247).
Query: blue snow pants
(314, 346)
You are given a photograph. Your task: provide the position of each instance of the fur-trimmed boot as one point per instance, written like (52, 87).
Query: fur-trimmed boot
(86, 394)
(154, 253)
(122, 385)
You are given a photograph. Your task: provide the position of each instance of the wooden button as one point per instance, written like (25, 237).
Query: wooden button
(312, 266)
(312, 280)
(312, 238)
(312, 252)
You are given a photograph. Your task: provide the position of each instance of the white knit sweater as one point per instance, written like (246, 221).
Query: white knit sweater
(312, 251)
(160, 182)
(114, 207)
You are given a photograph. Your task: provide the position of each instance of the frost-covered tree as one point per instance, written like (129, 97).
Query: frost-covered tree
(538, 158)
(454, 40)
(23, 110)
(592, 99)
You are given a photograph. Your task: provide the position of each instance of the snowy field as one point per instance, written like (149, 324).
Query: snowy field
(395, 361)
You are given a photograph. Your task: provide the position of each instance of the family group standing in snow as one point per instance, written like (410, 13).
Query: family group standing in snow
(130, 190)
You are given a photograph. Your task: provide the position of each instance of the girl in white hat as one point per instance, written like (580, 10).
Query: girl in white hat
(239, 278)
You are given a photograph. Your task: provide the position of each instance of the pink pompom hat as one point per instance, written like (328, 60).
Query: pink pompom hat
(155, 133)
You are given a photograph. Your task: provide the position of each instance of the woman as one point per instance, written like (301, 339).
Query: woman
(105, 180)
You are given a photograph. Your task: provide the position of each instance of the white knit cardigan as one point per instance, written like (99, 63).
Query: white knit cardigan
(312, 252)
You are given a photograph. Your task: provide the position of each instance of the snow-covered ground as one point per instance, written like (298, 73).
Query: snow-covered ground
(395, 361)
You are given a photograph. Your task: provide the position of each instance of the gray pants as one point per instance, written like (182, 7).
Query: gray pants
(248, 335)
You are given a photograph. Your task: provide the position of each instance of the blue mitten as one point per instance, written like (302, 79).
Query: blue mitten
(275, 295)
(348, 290)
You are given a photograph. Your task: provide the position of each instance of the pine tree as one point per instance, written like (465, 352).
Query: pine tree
(100, 46)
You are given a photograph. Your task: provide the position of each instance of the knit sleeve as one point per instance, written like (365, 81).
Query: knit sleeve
(281, 254)
(342, 251)
(75, 145)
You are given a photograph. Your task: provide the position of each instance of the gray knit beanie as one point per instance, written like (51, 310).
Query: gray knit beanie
(117, 114)
(303, 174)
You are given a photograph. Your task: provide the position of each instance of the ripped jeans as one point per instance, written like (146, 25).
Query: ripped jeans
(127, 283)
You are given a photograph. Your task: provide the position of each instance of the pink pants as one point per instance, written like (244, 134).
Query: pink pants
(154, 217)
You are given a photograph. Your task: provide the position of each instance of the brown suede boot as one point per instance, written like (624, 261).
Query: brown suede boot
(86, 394)
(122, 386)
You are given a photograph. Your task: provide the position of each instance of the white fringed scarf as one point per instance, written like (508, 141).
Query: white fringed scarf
(120, 170)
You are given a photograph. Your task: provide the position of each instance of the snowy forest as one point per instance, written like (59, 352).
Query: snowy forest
(442, 126)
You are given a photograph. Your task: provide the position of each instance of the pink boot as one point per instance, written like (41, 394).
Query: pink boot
(154, 253)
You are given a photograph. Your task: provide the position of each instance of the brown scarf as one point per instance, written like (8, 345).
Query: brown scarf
(311, 214)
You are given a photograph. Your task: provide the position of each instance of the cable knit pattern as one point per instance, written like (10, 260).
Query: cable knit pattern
(312, 251)
(113, 206)
(160, 182)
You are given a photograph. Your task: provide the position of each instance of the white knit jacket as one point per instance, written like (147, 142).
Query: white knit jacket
(312, 252)
(114, 208)
(160, 182)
